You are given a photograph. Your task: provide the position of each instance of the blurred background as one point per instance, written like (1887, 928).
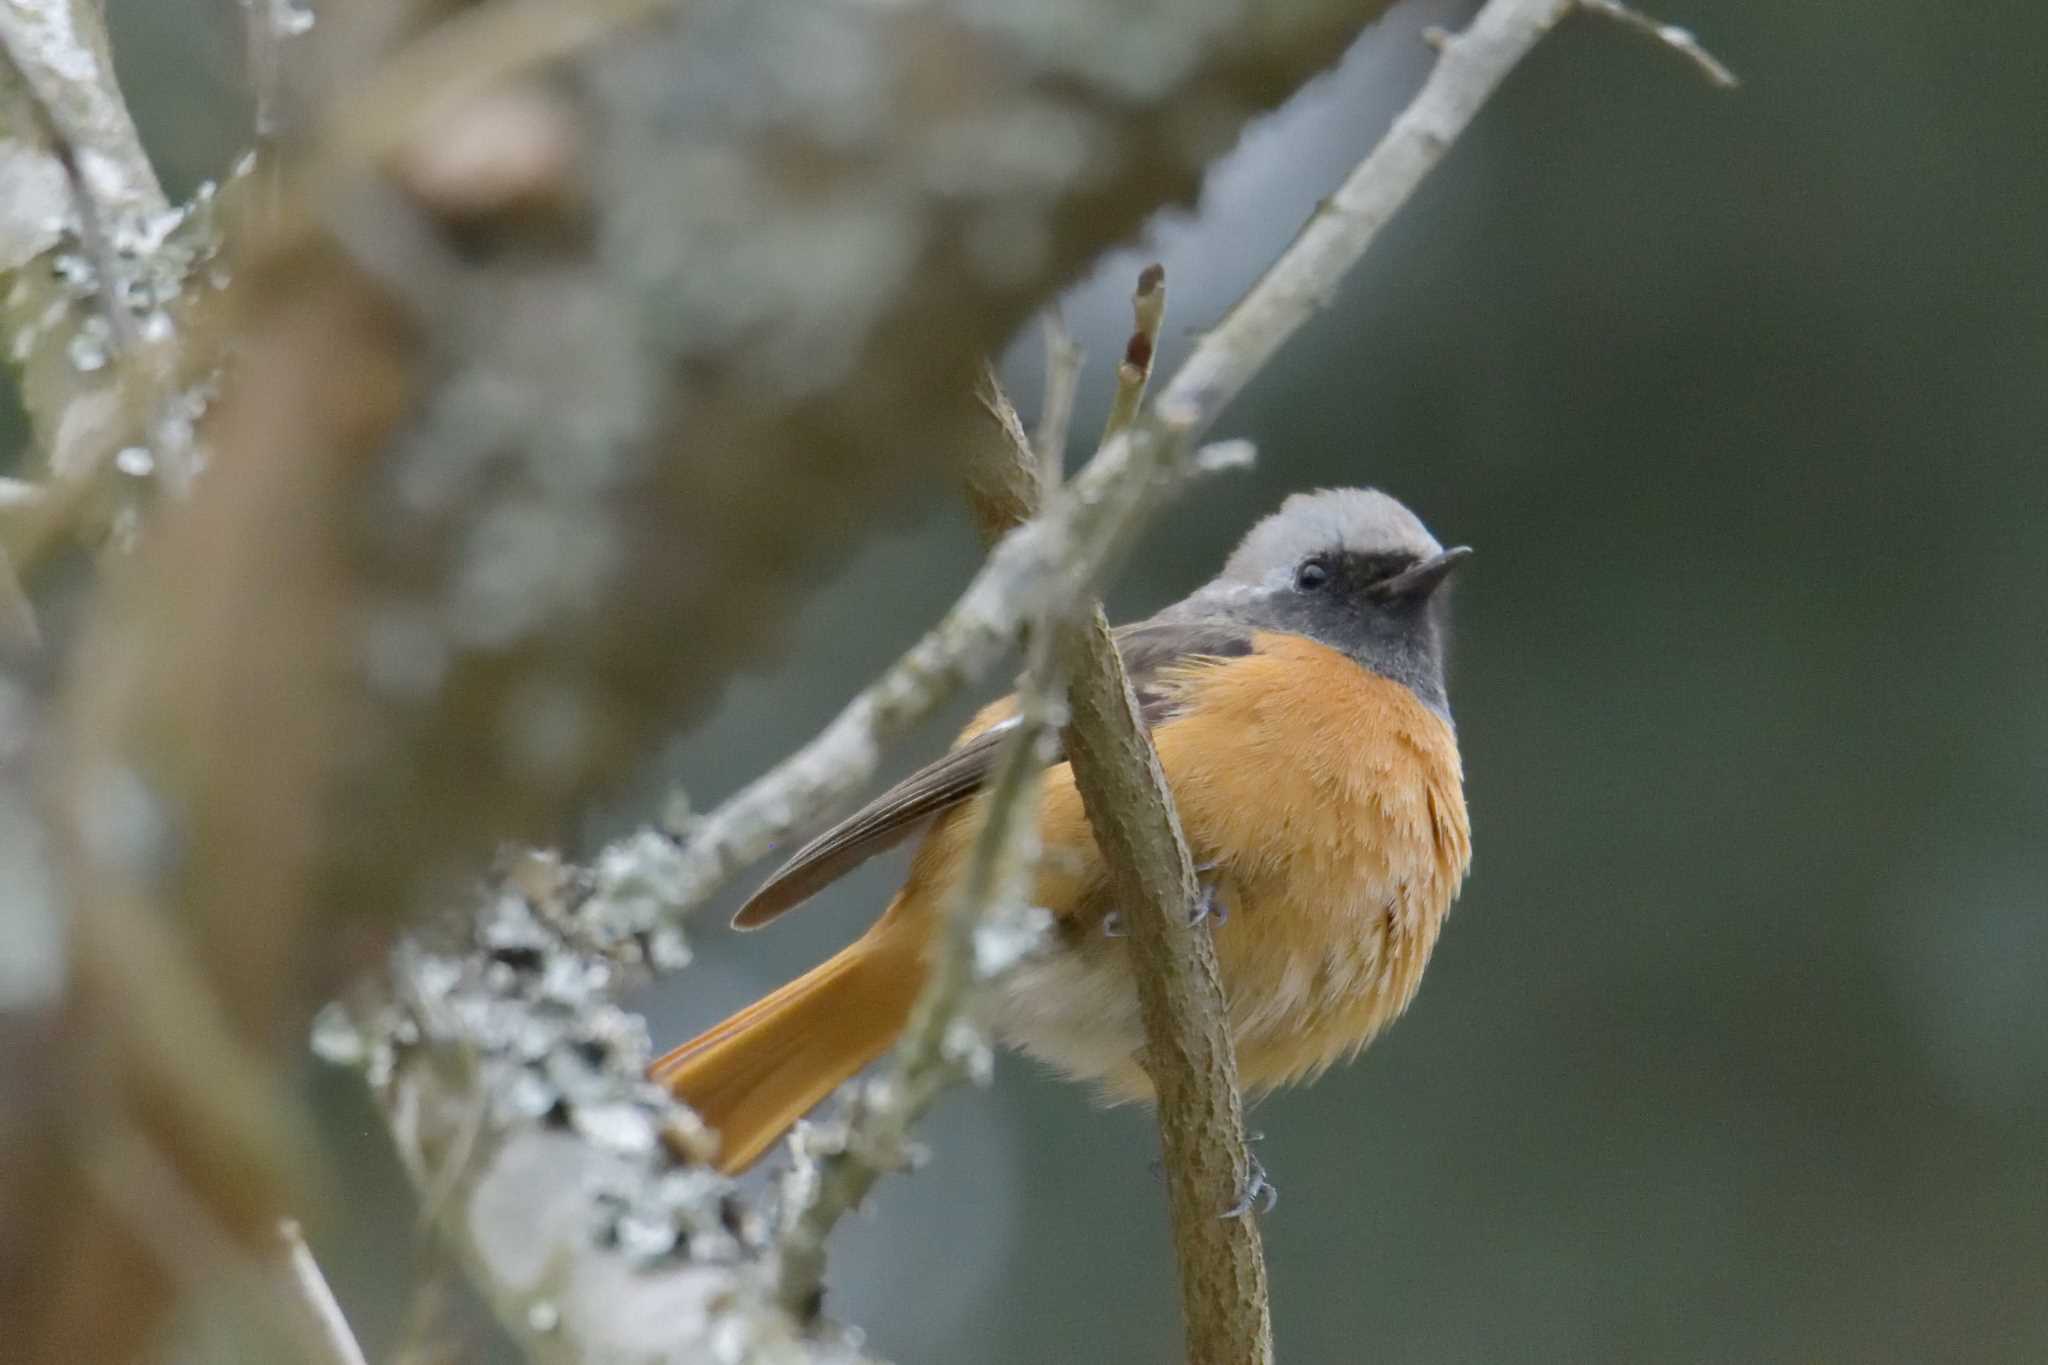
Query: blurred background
(1736, 1047)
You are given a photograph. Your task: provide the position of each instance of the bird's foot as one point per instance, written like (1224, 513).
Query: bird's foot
(1208, 898)
(1208, 905)
(1259, 1192)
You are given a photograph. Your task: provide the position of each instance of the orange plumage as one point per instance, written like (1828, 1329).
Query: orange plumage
(1325, 802)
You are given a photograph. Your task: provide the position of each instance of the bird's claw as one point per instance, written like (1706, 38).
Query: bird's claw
(1208, 902)
(1208, 905)
(1259, 1193)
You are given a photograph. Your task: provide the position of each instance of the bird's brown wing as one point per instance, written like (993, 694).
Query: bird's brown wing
(1147, 648)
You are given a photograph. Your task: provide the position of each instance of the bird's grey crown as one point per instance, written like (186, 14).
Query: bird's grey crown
(1358, 521)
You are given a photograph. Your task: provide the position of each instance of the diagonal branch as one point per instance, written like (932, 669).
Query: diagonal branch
(1679, 39)
(941, 1044)
(1305, 278)
(1042, 561)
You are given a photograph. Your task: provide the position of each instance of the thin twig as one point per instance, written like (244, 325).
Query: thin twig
(265, 26)
(1134, 370)
(61, 51)
(1224, 1297)
(1679, 39)
(940, 1046)
(1048, 559)
(1056, 413)
(325, 1329)
(1000, 489)
(110, 280)
(1305, 277)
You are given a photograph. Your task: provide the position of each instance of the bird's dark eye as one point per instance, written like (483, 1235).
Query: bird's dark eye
(1311, 575)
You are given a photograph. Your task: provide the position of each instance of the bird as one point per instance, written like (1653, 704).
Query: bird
(1298, 706)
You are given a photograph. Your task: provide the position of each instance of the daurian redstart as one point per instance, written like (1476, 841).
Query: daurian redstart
(1298, 706)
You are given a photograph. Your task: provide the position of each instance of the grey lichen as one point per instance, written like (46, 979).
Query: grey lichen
(576, 1189)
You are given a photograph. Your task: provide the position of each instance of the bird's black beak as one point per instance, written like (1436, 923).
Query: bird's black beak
(1418, 581)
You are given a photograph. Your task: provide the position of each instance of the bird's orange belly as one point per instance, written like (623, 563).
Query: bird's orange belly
(1328, 803)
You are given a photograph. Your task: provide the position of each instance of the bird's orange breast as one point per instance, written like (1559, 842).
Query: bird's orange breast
(1332, 801)
(1328, 804)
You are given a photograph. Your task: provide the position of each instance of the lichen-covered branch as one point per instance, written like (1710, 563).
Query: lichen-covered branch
(103, 301)
(695, 349)
(570, 1190)
(93, 308)
(493, 1052)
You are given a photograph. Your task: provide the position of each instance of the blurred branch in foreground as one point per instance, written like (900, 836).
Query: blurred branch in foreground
(490, 1051)
(550, 400)
(540, 425)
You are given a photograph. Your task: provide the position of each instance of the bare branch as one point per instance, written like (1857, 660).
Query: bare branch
(325, 1329)
(647, 877)
(1056, 409)
(1189, 1053)
(1305, 277)
(941, 1045)
(1134, 369)
(1678, 39)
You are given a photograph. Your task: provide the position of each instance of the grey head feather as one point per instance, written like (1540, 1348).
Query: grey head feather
(1361, 521)
(1359, 538)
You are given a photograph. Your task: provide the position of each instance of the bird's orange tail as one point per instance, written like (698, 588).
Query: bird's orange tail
(753, 1076)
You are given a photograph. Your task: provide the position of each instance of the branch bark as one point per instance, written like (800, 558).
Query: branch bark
(941, 1045)
(1188, 1048)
